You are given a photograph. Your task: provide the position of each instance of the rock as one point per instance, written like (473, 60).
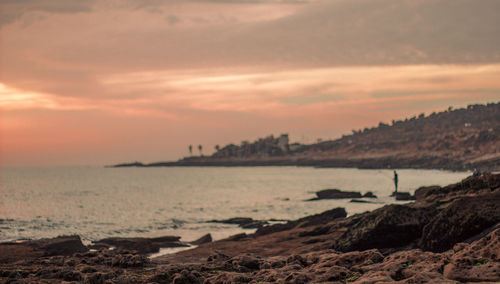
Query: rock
(403, 196)
(472, 185)
(422, 192)
(477, 262)
(369, 194)
(187, 277)
(361, 201)
(331, 273)
(203, 240)
(229, 277)
(244, 222)
(142, 245)
(247, 261)
(236, 237)
(391, 226)
(64, 245)
(322, 218)
(460, 220)
(236, 221)
(357, 258)
(275, 228)
(318, 219)
(336, 194)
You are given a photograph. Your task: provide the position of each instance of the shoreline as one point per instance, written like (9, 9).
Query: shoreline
(449, 234)
(390, 162)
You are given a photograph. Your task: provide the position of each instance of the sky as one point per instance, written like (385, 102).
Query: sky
(104, 82)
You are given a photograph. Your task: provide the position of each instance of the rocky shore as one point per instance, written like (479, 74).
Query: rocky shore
(448, 235)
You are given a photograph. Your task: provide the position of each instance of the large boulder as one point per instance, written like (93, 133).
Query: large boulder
(391, 226)
(460, 220)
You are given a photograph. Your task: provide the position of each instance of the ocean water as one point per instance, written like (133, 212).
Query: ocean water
(97, 202)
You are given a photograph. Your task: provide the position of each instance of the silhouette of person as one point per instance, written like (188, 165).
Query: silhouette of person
(396, 181)
(475, 173)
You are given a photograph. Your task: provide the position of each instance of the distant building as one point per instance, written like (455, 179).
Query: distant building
(283, 142)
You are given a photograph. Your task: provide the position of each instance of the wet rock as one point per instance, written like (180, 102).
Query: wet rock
(142, 245)
(460, 220)
(255, 225)
(402, 196)
(391, 226)
(336, 194)
(64, 245)
(203, 240)
(369, 194)
(313, 220)
(361, 201)
(244, 222)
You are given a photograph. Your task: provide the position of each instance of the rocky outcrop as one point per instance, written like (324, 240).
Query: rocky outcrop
(460, 220)
(391, 226)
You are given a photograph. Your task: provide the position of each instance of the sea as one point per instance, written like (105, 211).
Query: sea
(99, 202)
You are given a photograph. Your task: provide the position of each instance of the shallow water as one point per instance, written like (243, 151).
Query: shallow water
(96, 202)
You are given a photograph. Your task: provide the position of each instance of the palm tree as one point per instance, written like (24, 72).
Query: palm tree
(200, 148)
(191, 150)
(217, 147)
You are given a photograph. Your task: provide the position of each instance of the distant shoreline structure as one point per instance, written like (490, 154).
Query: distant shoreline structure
(458, 140)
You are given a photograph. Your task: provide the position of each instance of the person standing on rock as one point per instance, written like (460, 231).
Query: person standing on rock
(396, 181)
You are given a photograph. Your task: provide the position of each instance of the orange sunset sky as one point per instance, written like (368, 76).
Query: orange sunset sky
(103, 82)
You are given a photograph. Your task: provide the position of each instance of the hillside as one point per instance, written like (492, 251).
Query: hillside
(461, 139)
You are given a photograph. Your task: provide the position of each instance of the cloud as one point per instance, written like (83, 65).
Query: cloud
(49, 57)
(11, 10)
